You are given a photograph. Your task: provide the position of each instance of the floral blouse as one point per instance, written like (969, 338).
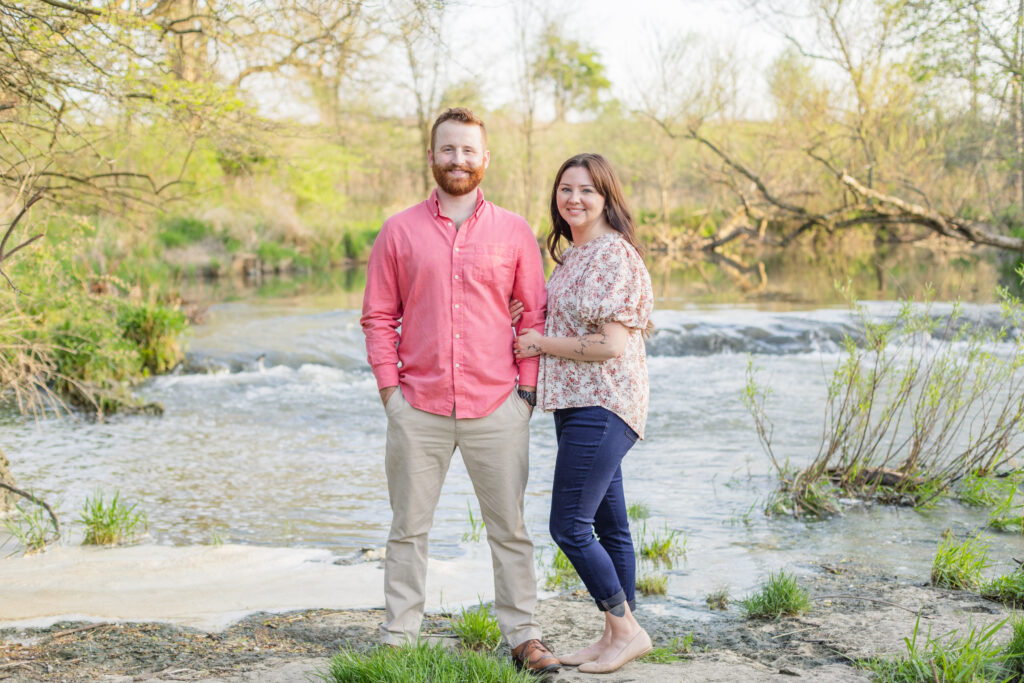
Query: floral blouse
(602, 281)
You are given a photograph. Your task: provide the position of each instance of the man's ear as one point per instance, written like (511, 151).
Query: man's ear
(487, 157)
(430, 157)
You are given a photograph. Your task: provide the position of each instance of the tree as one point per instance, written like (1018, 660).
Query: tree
(978, 44)
(573, 73)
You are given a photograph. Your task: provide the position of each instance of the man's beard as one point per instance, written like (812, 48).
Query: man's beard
(458, 186)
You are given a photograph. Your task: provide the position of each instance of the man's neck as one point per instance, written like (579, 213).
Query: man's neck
(458, 208)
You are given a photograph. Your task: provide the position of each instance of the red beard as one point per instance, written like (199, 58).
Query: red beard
(458, 186)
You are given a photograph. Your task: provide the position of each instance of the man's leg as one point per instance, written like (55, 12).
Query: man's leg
(495, 449)
(419, 450)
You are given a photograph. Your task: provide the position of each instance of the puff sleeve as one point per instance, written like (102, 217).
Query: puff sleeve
(617, 288)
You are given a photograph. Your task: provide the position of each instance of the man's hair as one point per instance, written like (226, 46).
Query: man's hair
(459, 115)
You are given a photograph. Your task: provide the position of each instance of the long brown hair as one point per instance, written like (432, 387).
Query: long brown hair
(607, 185)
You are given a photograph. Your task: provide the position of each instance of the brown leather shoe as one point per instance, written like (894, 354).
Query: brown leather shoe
(534, 657)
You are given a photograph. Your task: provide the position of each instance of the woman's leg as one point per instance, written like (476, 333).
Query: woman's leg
(591, 444)
(611, 522)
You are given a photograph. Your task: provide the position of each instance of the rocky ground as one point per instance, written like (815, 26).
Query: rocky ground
(857, 613)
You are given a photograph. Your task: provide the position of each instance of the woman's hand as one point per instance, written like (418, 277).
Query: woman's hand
(528, 343)
(515, 310)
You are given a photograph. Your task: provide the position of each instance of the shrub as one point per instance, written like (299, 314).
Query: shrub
(897, 410)
(179, 231)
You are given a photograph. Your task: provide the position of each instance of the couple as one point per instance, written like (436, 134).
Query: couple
(445, 271)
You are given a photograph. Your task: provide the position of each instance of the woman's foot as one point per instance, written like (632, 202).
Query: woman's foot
(618, 654)
(589, 653)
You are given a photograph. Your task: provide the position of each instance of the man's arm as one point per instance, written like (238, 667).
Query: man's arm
(529, 288)
(382, 314)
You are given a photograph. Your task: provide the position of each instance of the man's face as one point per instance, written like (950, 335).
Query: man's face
(458, 159)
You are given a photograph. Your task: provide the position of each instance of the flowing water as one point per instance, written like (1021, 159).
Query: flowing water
(274, 436)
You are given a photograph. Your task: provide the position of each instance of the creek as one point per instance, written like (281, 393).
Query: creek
(274, 436)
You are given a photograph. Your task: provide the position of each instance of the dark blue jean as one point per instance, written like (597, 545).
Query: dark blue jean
(587, 497)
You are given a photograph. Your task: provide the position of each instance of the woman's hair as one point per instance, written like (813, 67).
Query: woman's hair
(607, 185)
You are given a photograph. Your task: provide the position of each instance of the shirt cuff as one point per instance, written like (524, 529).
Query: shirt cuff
(528, 371)
(387, 375)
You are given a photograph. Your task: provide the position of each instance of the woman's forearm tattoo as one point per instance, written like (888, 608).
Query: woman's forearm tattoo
(532, 347)
(588, 340)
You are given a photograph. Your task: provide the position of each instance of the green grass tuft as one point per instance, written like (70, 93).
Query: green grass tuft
(959, 565)
(31, 527)
(561, 575)
(476, 527)
(1014, 650)
(638, 512)
(422, 663)
(718, 599)
(661, 548)
(477, 628)
(673, 652)
(780, 596)
(109, 523)
(652, 584)
(1008, 589)
(951, 657)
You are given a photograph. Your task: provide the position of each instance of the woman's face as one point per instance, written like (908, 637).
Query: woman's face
(578, 201)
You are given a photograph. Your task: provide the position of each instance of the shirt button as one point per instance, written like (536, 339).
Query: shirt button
(456, 248)
(457, 336)
(456, 365)
(456, 277)
(456, 305)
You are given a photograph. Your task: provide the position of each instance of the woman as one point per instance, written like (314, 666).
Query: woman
(594, 378)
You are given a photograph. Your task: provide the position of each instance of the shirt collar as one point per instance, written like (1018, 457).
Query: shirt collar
(434, 203)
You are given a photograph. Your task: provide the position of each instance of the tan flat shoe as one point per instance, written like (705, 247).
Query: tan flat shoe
(637, 647)
(574, 660)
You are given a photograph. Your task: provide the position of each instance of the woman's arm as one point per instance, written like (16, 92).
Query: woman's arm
(607, 343)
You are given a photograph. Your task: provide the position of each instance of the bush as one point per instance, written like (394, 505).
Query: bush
(155, 330)
(179, 231)
(897, 411)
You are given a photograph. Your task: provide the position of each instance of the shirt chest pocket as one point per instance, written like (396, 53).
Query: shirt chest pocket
(493, 263)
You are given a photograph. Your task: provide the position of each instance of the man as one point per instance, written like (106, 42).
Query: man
(445, 270)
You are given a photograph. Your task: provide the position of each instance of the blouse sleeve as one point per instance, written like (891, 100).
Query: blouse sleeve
(617, 288)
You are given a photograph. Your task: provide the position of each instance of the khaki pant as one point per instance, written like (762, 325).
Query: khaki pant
(495, 449)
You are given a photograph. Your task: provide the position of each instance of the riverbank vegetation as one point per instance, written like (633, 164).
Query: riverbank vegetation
(161, 143)
(907, 420)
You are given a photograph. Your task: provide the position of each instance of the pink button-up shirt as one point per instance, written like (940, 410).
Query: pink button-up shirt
(449, 290)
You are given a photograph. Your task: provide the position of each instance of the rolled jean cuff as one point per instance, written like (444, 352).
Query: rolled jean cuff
(612, 602)
(632, 605)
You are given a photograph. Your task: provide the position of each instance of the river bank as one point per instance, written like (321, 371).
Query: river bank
(858, 612)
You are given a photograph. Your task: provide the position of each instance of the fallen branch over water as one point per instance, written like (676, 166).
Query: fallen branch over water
(41, 503)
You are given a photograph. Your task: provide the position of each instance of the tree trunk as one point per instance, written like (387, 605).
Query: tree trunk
(1018, 101)
(6, 498)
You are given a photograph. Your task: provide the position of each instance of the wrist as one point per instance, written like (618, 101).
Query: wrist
(528, 394)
